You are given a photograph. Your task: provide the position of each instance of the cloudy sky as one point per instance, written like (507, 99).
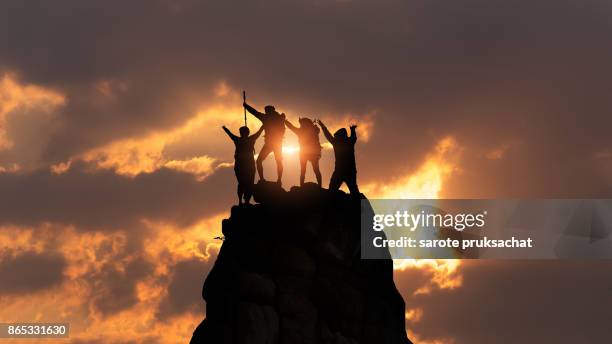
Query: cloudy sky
(115, 175)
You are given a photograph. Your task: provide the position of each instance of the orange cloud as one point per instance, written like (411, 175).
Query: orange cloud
(19, 239)
(14, 167)
(414, 315)
(15, 96)
(135, 156)
(87, 255)
(200, 166)
(416, 338)
(444, 273)
(428, 180)
(144, 155)
(132, 156)
(197, 241)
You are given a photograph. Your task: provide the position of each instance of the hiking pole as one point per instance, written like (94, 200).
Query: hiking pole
(244, 101)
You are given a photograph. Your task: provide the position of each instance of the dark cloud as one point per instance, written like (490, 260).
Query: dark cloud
(30, 272)
(488, 72)
(185, 289)
(28, 130)
(101, 199)
(518, 301)
(114, 290)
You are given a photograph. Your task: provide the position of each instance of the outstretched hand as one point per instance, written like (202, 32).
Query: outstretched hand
(223, 127)
(353, 126)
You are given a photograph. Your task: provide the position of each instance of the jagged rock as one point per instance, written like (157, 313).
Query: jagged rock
(268, 192)
(289, 271)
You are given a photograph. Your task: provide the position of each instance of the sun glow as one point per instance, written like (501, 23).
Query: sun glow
(291, 149)
(427, 183)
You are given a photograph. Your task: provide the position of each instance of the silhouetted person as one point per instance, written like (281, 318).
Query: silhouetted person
(244, 165)
(310, 148)
(274, 126)
(344, 151)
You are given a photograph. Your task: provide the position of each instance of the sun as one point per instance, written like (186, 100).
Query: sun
(289, 149)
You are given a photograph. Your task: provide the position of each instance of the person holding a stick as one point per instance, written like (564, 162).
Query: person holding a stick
(244, 164)
(274, 127)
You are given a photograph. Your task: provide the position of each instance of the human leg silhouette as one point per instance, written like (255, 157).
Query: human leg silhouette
(248, 187)
(240, 193)
(303, 161)
(335, 181)
(239, 178)
(245, 174)
(278, 156)
(263, 154)
(351, 182)
(315, 167)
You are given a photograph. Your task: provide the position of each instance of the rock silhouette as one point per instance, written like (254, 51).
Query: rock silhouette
(289, 271)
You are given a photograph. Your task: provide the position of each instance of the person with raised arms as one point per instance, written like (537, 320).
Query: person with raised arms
(274, 127)
(345, 170)
(244, 164)
(310, 147)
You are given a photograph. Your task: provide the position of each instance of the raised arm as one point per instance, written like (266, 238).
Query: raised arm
(253, 112)
(353, 137)
(256, 135)
(229, 133)
(326, 132)
(292, 127)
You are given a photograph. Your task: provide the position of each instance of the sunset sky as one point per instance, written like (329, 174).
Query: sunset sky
(115, 173)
